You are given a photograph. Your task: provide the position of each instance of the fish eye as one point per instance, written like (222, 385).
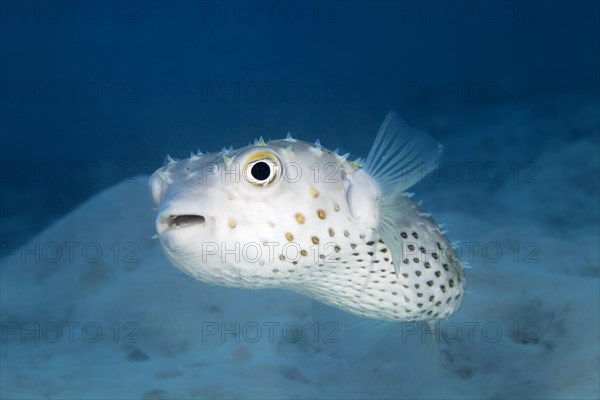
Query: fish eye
(262, 169)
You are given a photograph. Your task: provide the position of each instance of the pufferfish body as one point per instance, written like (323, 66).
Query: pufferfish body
(293, 215)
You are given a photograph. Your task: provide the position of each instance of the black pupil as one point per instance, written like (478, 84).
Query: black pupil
(260, 171)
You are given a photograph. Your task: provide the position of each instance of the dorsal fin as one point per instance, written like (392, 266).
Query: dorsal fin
(401, 155)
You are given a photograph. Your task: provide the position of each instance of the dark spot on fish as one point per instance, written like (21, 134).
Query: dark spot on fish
(422, 249)
(384, 250)
(405, 275)
(405, 261)
(416, 260)
(446, 267)
(353, 246)
(418, 273)
(404, 235)
(411, 247)
(427, 265)
(414, 234)
(429, 283)
(370, 253)
(419, 305)
(438, 273)
(419, 294)
(370, 243)
(435, 255)
(431, 298)
(443, 287)
(451, 282)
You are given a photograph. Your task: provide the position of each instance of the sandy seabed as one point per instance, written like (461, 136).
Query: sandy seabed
(91, 308)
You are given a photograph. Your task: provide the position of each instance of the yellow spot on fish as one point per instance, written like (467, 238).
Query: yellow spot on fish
(289, 236)
(303, 253)
(231, 223)
(321, 214)
(315, 240)
(300, 218)
(314, 192)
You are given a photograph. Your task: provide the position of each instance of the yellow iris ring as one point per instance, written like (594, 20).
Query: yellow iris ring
(260, 156)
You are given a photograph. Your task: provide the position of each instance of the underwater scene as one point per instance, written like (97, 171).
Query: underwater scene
(299, 199)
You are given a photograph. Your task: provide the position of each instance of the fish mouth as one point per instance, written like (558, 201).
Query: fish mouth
(179, 221)
(183, 221)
